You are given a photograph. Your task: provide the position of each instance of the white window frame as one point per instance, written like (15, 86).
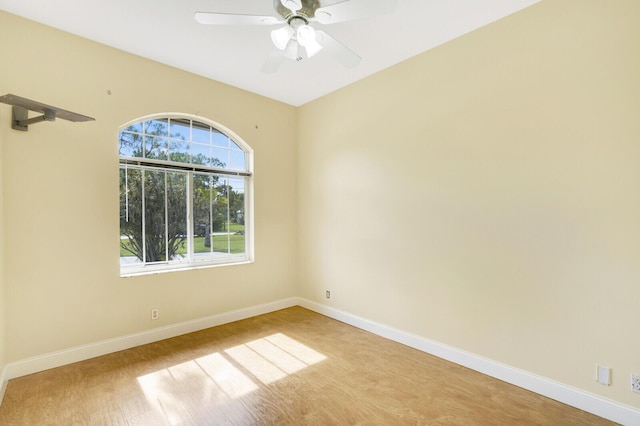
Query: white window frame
(191, 261)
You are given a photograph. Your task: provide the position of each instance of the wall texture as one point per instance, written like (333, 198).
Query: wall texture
(61, 229)
(485, 194)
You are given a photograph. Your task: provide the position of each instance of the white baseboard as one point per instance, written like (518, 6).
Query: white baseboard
(574, 397)
(3, 383)
(578, 398)
(83, 352)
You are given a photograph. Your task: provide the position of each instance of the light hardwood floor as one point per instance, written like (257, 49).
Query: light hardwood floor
(288, 367)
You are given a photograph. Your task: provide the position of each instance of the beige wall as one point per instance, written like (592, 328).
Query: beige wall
(60, 194)
(3, 119)
(485, 194)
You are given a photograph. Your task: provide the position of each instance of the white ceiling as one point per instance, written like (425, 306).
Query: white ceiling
(165, 31)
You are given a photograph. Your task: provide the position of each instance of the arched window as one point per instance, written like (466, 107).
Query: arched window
(185, 194)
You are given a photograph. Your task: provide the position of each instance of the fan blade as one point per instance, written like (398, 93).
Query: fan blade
(273, 61)
(339, 51)
(292, 5)
(211, 18)
(293, 50)
(306, 36)
(350, 10)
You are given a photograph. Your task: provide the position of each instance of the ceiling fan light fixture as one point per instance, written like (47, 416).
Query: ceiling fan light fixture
(306, 36)
(281, 37)
(293, 50)
(312, 49)
(305, 33)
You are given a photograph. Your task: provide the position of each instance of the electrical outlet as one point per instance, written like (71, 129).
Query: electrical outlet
(604, 375)
(155, 314)
(328, 294)
(635, 382)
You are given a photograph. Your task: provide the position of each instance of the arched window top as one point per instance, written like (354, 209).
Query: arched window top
(184, 139)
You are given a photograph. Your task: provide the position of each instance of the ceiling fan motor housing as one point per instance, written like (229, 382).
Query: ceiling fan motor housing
(307, 11)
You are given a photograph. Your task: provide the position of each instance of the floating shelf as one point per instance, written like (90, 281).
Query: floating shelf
(21, 107)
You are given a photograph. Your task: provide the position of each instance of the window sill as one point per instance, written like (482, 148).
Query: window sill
(150, 270)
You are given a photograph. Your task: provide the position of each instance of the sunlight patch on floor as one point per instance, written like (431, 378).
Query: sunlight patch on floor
(227, 375)
(274, 357)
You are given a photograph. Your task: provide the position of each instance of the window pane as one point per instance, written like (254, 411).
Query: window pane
(156, 128)
(130, 145)
(177, 215)
(131, 238)
(221, 217)
(220, 157)
(135, 127)
(203, 194)
(179, 151)
(221, 243)
(200, 154)
(180, 129)
(236, 215)
(200, 134)
(156, 148)
(237, 161)
(220, 139)
(154, 214)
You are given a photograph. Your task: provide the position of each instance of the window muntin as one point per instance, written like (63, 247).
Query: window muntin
(184, 195)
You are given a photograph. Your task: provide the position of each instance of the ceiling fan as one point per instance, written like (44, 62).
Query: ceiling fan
(295, 38)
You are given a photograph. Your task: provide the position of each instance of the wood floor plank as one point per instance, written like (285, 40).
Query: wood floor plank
(288, 367)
